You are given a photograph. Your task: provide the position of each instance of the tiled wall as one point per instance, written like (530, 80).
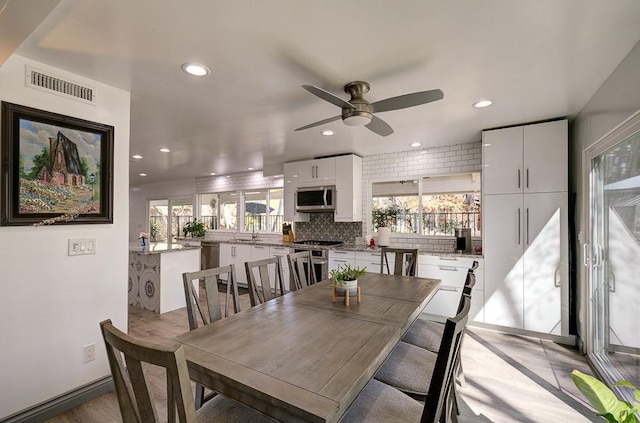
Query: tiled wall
(322, 227)
(411, 164)
(238, 181)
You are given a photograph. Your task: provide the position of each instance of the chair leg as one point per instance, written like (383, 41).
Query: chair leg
(199, 396)
(460, 379)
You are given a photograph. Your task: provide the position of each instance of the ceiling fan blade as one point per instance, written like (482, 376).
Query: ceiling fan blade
(327, 96)
(379, 126)
(318, 123)
(407, 100)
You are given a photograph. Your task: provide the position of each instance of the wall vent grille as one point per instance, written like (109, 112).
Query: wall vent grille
(65, 87)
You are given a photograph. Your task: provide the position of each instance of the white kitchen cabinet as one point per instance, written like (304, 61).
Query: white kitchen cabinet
(317, 172)
(370, 260)
(525, 159)
(348, 171)
(452, 272)
(281, 252)
(525, 242)
(340, 258)
(290, 171)
(236, 254)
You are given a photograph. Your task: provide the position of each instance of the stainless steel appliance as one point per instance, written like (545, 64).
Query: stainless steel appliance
(320, 255)
(463, 240)
(316, 199)
(209, 254)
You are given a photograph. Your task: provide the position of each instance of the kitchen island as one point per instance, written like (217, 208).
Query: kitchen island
(155, 274)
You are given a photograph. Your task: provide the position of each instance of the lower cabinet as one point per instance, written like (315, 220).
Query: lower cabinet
(239, 254)
(281, 252)
(452, 272)
(340, 258)
(236, 254)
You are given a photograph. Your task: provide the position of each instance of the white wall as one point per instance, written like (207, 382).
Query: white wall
(138, 196)
(51, 304)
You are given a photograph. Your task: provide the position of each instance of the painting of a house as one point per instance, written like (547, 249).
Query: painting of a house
(65, 167)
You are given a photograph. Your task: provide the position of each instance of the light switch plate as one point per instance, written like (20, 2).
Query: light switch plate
(82, 246)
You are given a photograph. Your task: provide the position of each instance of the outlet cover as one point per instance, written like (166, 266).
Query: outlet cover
(89, 353)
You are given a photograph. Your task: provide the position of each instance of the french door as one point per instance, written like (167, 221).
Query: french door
(612, 254)
(167, 216)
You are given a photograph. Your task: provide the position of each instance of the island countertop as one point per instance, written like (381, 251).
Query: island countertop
(161, 247)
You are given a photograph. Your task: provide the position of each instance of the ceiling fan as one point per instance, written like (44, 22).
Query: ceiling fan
(358, 111)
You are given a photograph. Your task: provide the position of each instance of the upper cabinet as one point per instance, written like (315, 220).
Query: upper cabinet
(344, 172)
(525, 159)
(317, 172)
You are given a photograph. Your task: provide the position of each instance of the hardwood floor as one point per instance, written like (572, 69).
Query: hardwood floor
(508, 378)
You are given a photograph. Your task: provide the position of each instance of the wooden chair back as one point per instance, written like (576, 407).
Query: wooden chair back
(301, 269)
(405, 264)
(439, 404)
(126, 356)
(260, 287)
(196, 305)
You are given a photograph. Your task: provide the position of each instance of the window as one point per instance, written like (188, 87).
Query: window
(431, 205)
(262, 210)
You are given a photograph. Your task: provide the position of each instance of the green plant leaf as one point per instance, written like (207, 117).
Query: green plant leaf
(603, 399)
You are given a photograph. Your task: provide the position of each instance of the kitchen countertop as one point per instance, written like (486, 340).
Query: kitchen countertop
(161, 247)
(342, 247)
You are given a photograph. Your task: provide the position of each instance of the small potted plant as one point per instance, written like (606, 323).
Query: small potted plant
(345, 278)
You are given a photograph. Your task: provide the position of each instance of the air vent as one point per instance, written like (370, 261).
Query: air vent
(54, 84)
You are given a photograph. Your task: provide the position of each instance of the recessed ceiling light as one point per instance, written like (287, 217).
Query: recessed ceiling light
(415, 144)
(228, 176)
(482, 103)
(137, 156)
(249, 168)
(328, 132)
(195, 69)
(143, 174)
(164, 150)
(212, 174)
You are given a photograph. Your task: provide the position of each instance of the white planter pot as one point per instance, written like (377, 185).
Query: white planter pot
(350, 286)
(383, 236)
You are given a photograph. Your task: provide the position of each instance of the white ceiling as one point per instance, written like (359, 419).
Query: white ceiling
(536, 59)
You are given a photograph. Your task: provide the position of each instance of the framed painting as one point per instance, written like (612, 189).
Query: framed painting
(55, 169)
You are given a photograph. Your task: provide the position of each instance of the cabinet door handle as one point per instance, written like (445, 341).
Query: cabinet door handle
(527, 226)
(340, 261)
(585, 258)
(518, 178)
(527, 178)
(449, 258)
(556, 281)
(447, 288)
(448, 268)
(519, 228)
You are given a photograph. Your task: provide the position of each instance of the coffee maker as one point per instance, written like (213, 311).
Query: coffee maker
(463, 240)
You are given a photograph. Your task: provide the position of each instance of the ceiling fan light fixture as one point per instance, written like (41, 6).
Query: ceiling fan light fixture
(328, 132)
(357, 120)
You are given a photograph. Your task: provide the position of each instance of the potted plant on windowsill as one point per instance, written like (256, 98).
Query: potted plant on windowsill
(345, 278)
(195, 228)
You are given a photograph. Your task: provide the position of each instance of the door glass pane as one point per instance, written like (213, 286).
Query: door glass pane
(615, 267)
(158, 222)
(181, 211)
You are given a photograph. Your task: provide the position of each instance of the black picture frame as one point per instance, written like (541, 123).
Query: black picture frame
(55, 169)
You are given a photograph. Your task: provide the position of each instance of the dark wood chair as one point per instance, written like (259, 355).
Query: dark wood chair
(301, 269)
(202, 311)
(426, 333)
(379, 402)
(405, 261)
(126, 356)
(260, 287)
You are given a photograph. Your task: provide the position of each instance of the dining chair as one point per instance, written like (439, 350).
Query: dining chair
(202, 311)
(128, 357)
(427, 333)
(301, 269)
(260, 287)
(380, 402)
(405, 261)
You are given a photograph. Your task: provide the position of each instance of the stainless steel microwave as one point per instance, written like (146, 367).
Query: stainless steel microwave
(316, 199)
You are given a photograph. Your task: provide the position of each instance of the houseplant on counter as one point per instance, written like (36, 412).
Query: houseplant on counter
(345, 278)
(195, 228)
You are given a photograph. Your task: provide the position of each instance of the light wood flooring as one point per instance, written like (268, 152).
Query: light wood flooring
(509, 378)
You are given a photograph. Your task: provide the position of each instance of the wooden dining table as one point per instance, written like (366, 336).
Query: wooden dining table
(301, 357)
